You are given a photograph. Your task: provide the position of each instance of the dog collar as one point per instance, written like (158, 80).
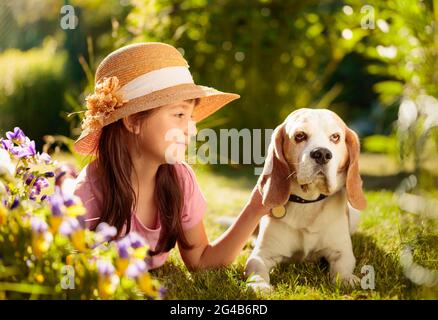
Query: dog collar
(297, 199)
(280, 211)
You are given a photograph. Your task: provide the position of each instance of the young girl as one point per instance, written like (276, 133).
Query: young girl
(138, 124)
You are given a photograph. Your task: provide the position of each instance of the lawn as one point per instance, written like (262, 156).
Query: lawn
(382, 232)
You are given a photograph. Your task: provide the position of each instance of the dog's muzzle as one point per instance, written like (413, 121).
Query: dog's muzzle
(321, 155)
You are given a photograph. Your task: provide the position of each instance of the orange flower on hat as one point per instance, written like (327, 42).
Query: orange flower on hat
(105, 99)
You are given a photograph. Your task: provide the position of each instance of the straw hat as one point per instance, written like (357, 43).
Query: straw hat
(139, 77)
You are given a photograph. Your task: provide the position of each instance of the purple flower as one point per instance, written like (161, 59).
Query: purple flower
(69, 200)
(63, 199)
(122, 248)
(49, 174)
(136, 268)
(29, 179)
(15, 203)
(68, 226)
(105, 268)
(45, 158)
(6, 144)
(38, 225)
(34, 193)
(132, 240)
(56, 203)
(136, 240)
(41, 183)
(58, 200)
(105, 232)
(26, 149)
(17, 135)
(65, 229)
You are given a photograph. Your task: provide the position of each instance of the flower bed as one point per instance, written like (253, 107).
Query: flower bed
(45, 250)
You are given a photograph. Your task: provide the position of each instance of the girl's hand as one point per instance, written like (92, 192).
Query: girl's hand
(255, 203)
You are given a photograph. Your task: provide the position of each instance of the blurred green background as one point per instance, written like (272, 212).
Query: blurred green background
(360, 59)
(373, 62)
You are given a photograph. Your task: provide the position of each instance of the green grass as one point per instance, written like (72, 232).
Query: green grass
(382, 232)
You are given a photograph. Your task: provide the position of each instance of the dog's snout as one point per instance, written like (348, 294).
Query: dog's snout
(321, 155)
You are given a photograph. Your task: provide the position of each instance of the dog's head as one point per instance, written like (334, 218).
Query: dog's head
(312, 152)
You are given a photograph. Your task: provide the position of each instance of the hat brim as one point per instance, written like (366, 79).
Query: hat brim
(210, 100)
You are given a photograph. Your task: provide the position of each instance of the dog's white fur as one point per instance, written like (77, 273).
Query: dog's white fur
(312, 230)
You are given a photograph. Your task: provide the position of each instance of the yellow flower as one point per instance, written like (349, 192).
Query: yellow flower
(75, 210)
(122, 265)
(69, 260)
(140, 253)
(39, 278)
(147, 285)
(3, 214)
(55, 222)
(41, 243)
(78, 240)
(107, 285)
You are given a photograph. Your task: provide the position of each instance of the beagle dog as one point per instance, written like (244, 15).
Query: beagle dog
(311, 182)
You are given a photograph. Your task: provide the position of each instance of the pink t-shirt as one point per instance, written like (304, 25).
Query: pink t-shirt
(192, 213)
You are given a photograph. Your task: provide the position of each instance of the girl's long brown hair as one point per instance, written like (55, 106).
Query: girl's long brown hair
(115, 166)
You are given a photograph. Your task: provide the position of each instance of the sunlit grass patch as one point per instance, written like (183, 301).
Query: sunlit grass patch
(377, 243)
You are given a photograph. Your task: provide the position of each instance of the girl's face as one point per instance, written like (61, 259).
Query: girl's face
(165, 133)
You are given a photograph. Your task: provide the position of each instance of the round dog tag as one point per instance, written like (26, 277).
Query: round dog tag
(278, 212)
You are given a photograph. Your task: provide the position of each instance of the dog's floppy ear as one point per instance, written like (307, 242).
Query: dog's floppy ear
(273, 183)
(354, 182)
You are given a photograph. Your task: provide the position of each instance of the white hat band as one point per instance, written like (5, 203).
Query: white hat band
(156, 80)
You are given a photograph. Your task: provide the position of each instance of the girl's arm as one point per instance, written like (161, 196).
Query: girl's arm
(225, 249)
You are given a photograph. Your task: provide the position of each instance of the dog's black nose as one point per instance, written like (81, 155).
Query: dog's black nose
(321, 155)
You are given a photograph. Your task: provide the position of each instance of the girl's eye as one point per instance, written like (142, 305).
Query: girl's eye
(335, 137)
(300, 137)
(180, 115)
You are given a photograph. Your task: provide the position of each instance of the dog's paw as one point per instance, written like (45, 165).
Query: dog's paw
(262, 288)
(351, 280)
(259, 285)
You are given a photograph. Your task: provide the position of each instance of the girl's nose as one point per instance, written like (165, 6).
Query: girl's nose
(191, 128)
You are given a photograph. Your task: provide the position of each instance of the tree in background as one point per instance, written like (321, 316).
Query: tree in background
(278, 55)
(404, 49)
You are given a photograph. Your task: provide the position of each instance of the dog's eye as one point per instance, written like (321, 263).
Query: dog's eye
(335, 137)
(300, 137)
